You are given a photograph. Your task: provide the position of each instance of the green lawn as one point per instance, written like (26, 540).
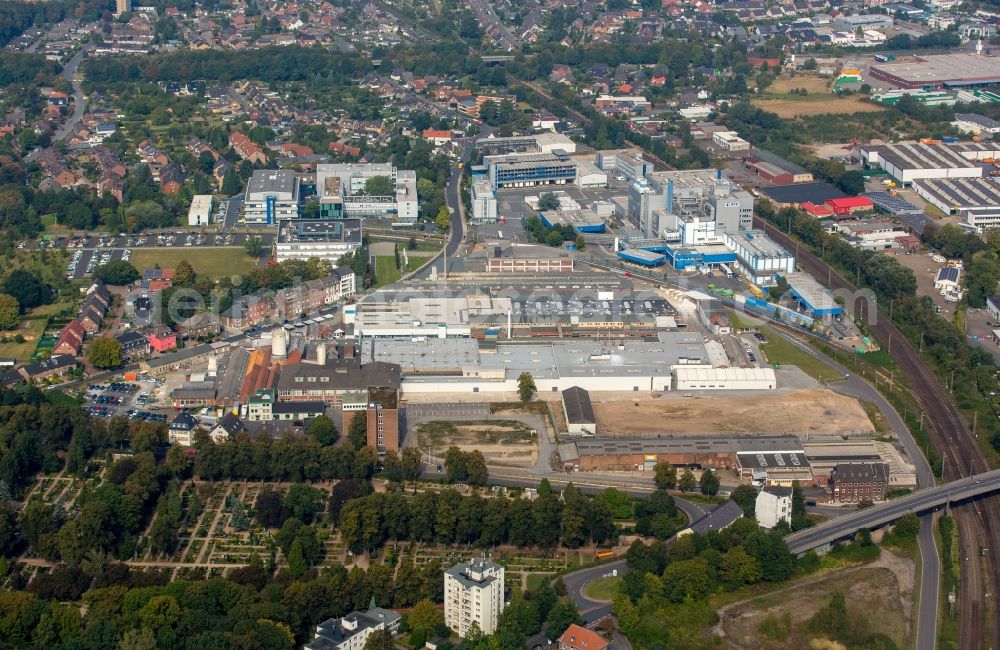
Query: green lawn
(535, 580)
(414, 263)
(603, 589)
(213, 263)
(385, 270)
(779, 351)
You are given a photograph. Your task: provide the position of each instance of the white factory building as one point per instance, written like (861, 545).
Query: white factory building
(627, 163)
(473, 595)
(701, 201)
(327, 239)
(773, 506)
(484, 202)
(759, 257)
(976, 200)
(341, 190)
(677, 360)
(200, 212)
(272, 195)
(909, 162)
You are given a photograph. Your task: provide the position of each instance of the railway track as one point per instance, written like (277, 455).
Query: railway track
(960, 453)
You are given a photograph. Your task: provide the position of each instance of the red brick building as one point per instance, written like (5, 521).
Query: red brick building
(856, 482)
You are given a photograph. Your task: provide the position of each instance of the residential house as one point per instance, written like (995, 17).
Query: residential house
(55, 366)
(228, 426)
(473, 596)
(580, 638)
(70, 341)
(352, 631)
(773, 506)
(198, 326)
(162, 339)
(246, 148)
(180, 431)
(134, 345)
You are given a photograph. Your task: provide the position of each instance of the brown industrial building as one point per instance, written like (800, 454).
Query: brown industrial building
(631, 454)
(383, 419)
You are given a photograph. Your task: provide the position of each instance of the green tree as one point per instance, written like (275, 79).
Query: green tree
(184, 275)
(379, 186)
(564, 614)
(581, 243)
(443, 219)
(709, 482)
(29, 291)
(105, 352)
(303, 502)
(665, 475)
(357, 432)
(10, 312)
(687, 481)
(323, 430)
(526, 388)
(426, 616)
(548, 201)
(231, 184)
(379, 640)
(746, 497)
(118, 272)
(297, 565)
(253, 246)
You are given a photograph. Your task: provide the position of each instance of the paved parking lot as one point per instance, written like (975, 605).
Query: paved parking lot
(131, 399)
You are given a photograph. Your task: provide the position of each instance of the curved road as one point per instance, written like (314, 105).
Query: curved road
(79, 101)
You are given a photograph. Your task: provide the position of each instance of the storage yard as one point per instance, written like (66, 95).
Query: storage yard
(813, 410)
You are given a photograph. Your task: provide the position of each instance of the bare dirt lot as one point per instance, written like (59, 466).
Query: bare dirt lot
(813, 410)
(502, 442)
(809, 83)
(882, 591)
(817, 105)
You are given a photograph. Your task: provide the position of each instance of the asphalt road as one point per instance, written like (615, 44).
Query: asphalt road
(930, 567)
(79, 101)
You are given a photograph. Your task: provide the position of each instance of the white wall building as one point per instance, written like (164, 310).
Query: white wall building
(758, 257)
(352, 631)
(341, 192)
(976, 124)
(200, 212)
(484, 202)
(272, 194)
(626, 162)
(327, 239)
(774, 505)
(730, 141)
(473, 594)
(707, 378)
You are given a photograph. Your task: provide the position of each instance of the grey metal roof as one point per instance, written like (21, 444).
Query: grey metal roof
(718, 519)
(579, 409)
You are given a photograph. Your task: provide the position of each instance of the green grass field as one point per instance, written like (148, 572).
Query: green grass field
(780, 351)
(385, 270)
(213, 263)
(603, 589)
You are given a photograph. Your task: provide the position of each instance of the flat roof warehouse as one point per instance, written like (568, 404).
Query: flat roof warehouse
(940, 70)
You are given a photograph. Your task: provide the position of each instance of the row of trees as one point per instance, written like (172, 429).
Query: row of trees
(449, 518)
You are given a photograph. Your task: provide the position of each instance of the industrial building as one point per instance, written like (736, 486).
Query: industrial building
(582, 221)
(826, 454)
(758, 257)
(909, 162)
(782, 468)
(200, 211)
(272, 195)
(588, 174)
(539, 143)
(579, 411)
(642, 257)
(976, 200)
(976, 124)
(341, 190)
(939, 70)
(775, 169)
(814, 297)
(484, 202)
(688, 206)
(730, 141)
(530, 169)
(643, 453)
(300, 239)
(628, 163)
(871, 234)
(691, 378)
(797, 194)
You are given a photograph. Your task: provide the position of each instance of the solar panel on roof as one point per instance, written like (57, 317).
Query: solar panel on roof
(761, 460)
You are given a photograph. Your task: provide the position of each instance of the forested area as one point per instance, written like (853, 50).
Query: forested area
(268, 64)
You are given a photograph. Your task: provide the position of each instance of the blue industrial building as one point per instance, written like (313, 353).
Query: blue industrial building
(642, 257)
(814, 297)
(685, 257)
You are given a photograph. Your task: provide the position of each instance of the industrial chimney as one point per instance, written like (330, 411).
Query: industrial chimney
(279, 344)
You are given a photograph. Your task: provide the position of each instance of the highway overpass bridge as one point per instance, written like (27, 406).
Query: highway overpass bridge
(847, 525)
